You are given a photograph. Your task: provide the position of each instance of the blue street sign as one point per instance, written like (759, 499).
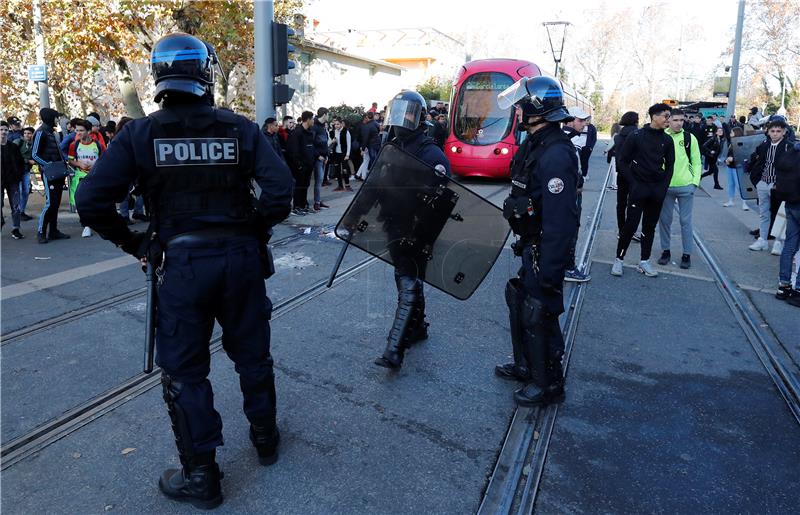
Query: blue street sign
(37, 72)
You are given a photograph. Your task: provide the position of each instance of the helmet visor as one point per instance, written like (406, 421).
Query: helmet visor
(402, 113)
(515, 93)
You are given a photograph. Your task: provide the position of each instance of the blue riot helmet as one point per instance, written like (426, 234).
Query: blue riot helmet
(180, 62)
(406, 110)
(536, 96)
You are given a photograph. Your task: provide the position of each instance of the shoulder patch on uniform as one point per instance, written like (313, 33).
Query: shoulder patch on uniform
(196, 151)
(555, 186)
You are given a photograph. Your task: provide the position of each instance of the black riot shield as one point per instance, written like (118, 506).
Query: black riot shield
(413, 217)
(743, 148)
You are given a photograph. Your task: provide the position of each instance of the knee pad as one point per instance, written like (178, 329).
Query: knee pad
(532, 312)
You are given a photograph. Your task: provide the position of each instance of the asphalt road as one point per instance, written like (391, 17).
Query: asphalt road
(668, 409)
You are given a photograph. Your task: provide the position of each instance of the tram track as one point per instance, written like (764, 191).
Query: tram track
(108, 302)
(765, 344)
(75, 418)
(516, 479)
(518, 472)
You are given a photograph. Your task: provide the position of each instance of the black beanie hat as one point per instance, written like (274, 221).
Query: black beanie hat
(48, 116)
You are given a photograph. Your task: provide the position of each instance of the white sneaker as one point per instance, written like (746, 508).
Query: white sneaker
(745, 207)
(727, 204)
(86, 233)
(647, 269)
(616, 268)
(759, 244)
(777, 248)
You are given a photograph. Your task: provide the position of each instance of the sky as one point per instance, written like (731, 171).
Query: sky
(517, 23)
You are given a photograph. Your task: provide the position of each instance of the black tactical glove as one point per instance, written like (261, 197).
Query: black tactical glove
(134, 245)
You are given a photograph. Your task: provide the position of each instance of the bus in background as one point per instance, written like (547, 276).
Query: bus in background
(482, 137)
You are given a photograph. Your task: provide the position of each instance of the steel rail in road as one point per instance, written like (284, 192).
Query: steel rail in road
(56, 429)
(95, 307)
(769, 349)
(518, 472)
(79, 416)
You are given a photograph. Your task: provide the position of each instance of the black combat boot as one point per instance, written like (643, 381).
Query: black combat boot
(265, 437)
(197, 482)
(397, 341)
(417, 326)
(551, 392)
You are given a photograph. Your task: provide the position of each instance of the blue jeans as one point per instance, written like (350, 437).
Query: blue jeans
(319, 172)
(24, 191)
(733, 183)
(138, 206)
(791, 244)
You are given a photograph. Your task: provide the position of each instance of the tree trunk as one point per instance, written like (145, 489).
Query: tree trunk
(62, 106)
(130, 97)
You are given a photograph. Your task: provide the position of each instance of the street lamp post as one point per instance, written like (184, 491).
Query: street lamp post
(556, 27)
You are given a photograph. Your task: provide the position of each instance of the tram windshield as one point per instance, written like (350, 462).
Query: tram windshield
(479, 120)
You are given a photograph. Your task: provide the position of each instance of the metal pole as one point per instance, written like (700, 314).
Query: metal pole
(44, 91)
(737, 49)
(262, 17)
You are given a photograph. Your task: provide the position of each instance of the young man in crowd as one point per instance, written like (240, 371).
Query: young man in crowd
(762, 174)
(14, 129)
(685, 180)
(12, 171)
(82, 155)
(341, 146)
(576, 131)
(787, 190)
(270, 130)
(649, 157)
(370, 136)
(25, 147)
(301, 157)
(45, 151)
(321, 150)
(286, 128)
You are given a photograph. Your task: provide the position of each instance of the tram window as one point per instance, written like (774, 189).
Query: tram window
(478, 118)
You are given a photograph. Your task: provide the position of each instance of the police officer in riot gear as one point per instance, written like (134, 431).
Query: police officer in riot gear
(207, 237)
(542, 212)
(405, 118)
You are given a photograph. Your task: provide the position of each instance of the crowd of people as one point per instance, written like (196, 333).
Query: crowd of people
(27, 153)
(322, 148)
(658, 168)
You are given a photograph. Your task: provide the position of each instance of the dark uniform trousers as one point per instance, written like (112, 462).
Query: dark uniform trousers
(544, 356)
(218, 279)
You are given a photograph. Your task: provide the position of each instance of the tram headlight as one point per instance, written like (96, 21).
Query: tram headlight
(504, 151)
(454, 149)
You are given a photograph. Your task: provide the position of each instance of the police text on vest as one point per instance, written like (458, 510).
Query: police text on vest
(196, 151)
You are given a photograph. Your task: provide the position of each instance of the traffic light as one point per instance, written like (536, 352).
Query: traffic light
(281, 94)
(281, 64)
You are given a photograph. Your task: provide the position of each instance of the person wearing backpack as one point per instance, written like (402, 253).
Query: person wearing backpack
(685, 180)
(82, 154)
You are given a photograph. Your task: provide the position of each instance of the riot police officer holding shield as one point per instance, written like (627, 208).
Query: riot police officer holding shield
(405, 118)
(207, 238)
(542, 211)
